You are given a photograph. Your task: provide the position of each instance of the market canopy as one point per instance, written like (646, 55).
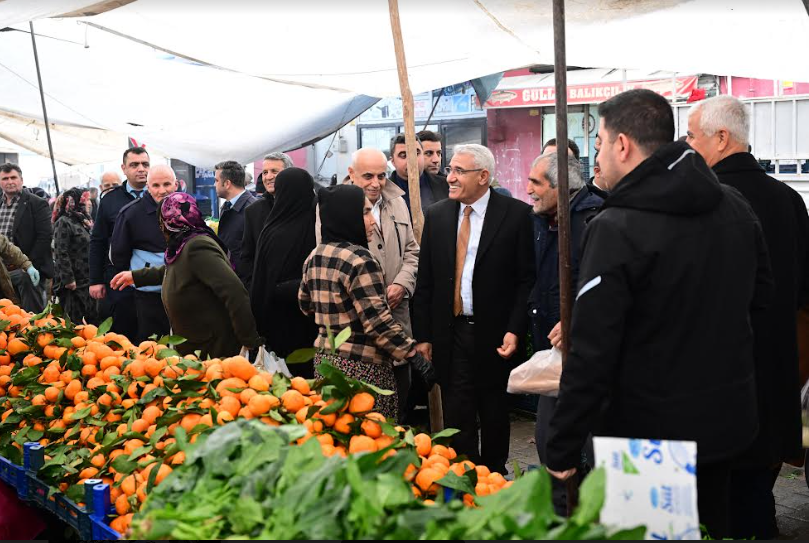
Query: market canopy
(239, 78)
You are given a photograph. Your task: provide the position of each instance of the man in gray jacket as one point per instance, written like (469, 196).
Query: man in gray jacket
(393, 244)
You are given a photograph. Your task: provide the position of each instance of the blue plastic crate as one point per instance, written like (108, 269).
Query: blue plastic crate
(40, 493)
(14, 476)
(101, 509)
(74, 515)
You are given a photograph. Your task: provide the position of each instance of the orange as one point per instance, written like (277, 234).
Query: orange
(44, 339)
(224, 417)
(136, 369)
(371, 429)
(154, 366)
(325, 439)
(423, 444)
(259, 404)
(72, 388)
(178, 458)
(151, 413)
(482, 489)
(88, 331)
(140, 426)
(129, 485)
(109, 361)
(39, 399)
(440, 450)
(189, 421)
(360, 444)
(214, 372)
(361, 403)
(342, 423)
(88, 473)
(88, 370)
(163, 471)
(206, 420)
(300, 415)
(247, 393)
(122, 505)
(233, 382)
(131, 445)
(98, 461)
(240, 368)
(16, 346)
(66, 376)
(230, 404)
(78, 342)
(383, 441)
(426, 478)
(292, 401)
(89, 358)
(258, 383)
(482, 471)
(245, 413)
(105, 400)
(301, 385)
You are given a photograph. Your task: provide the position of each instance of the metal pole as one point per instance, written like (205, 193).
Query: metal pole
(435, 105)
(44, 109)
(434, 396)
(563, 206)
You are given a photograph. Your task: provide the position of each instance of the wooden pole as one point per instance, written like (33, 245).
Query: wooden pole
(434, 396)
(563, 206)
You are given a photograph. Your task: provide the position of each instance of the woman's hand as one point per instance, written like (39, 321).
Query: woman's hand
(122, 280)
(71, 286)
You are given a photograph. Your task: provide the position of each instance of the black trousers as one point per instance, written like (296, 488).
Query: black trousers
(120, 305)
(470, 397)
(152, 317)
(31, 298)
(713, 498)
(752, 504)
(403, 379)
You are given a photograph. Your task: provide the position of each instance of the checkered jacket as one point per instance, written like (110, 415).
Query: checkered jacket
(343, 287)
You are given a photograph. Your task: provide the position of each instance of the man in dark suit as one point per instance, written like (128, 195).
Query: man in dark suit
(476, 270)
(229, 182)
(25, 219)
(256, 214)
(431, 145)
(432, 188)
(718, 130)
(120, 305)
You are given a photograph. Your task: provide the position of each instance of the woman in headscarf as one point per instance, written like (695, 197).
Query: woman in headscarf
(284, 244)
(71, 242)
(343, 286)
(204, 299)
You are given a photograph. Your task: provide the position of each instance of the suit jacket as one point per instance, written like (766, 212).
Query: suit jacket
(438, 185)
(502, 281)
(231, 230)
(254, 218)
(33, 233)
(101, 268)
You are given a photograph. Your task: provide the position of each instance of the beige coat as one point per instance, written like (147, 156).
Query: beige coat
(11, 255)
(395, 248)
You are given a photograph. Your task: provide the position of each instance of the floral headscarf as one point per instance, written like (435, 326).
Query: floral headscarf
(181, 221)
(73, 204)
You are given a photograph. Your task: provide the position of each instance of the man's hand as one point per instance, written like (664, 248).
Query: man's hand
(562, 475)
(98, 292)
(555, 336)
(33, 274)
(426, 350)
(71, 286)
(509, 346)
(395, 295)
(122, 280)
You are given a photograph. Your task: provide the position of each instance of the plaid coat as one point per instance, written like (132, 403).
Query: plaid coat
(343, 286)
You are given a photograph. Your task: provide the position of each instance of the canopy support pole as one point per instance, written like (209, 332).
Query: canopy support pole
(44, 109)
(436, 410)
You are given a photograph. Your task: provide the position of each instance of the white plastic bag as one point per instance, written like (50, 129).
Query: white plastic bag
(540, 374)
(267, 361)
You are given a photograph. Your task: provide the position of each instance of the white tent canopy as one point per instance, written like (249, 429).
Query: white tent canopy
(261, 76)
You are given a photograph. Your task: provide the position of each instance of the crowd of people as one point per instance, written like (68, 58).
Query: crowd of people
(688, 262)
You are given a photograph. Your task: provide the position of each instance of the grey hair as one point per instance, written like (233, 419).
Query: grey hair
(482, 156)
(575, 180)
(724, 112)
(283, 157)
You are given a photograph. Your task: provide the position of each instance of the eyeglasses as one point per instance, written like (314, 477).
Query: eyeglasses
(459, 171)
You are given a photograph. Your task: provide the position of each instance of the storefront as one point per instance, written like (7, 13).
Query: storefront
(521, 115)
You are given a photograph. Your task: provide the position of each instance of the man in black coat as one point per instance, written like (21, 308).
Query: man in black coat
(543, 305)
(119, 304)
(229, 183)
(432, 188)
(25, 219)
(661, 345)
(718, 129)
(255, 216)
(476, 269)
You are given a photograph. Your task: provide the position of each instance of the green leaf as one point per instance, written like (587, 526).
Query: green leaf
(334, 407)
(336, 378)
(379, 391)
(342, 337)
(445, 435)
(81, 413)
(181, 437)
(26, 376)
(389, 429)
(105, 327)
(140, 451)
(160, 433)
(123, 465)
(301, 356)
(172, 340)
(75, 493)
(632, 534)
(517, 470)
(35, 435)
(462, 484)
(153, 394)
(591, 498)
(280, 384)
(4, 324)
(275, 415)
(63, 342)
(246, 515)
(152, 475)
(165, 353)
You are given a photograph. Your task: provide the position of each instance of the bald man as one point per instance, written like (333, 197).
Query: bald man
(109, 181)
(137, 242)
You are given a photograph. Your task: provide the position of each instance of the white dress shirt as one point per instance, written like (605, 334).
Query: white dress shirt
(476, 227)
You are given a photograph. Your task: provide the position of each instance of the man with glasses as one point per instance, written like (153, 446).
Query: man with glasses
(119, 304)
(477, 255)
(432, 188)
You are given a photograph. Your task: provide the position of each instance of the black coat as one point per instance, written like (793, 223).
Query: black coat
(671, 268)
(32, 232)
(438, 186)
(231, 231)
(255, 216)
(101, 269)
(785, 223)
(137, 227)
(503, 277)
(543, 304)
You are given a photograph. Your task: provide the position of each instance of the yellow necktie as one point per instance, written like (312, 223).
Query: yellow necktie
(460, 257)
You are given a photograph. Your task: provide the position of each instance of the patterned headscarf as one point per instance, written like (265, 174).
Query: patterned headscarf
(181, 221)
(73, 204)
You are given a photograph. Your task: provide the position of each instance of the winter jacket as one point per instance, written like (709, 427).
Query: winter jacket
(543, 305)
(137, 241)
(101, 269)
(11, 255)
(71, 242)
(32, 232)
(255, 216)
(671, 269)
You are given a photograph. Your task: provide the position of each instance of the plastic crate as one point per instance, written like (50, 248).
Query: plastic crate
(74, 515)
(101, 508)
(14, 476)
